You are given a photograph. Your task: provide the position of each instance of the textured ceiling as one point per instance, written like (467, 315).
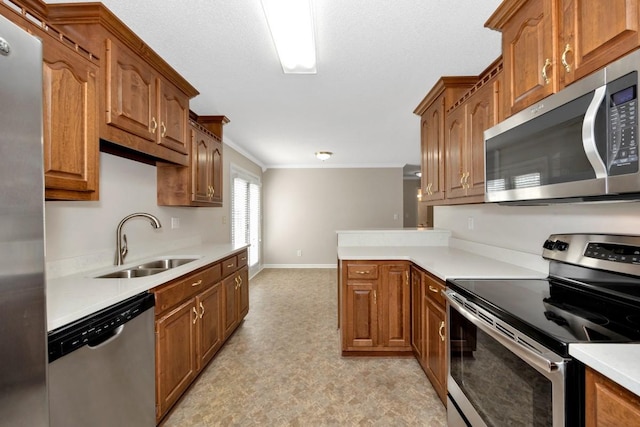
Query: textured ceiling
(377, 59)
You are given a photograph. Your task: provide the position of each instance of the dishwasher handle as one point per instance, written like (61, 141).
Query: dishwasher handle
(106, 338)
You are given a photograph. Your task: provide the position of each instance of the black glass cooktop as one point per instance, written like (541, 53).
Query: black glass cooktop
(557, 313)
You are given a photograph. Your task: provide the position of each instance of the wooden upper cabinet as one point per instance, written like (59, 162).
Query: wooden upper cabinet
(70, 107)
(549, 44)
(528, 50)
(70, 137)
(594, 33)
(432, 114)
(144, 103)
(200, 184)
(466, 121)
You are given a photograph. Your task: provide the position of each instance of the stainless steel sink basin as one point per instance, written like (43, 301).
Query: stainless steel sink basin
(166, 263)
(147, 269)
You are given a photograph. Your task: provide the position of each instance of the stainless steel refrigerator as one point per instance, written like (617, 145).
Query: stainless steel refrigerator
(23, 356)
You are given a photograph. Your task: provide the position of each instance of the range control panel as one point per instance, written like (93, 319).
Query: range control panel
(613, 252)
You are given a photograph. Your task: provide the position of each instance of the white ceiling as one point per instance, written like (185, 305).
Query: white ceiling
(377, 59)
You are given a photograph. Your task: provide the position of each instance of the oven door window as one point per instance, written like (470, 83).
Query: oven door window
(503, 389)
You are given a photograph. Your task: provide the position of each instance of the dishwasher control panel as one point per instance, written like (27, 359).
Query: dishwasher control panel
(97, 327)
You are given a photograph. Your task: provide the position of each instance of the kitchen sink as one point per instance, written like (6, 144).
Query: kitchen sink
(147, 269)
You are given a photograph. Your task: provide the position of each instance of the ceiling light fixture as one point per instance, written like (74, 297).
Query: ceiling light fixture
(291, 26)
(419, 174)
(323, 155)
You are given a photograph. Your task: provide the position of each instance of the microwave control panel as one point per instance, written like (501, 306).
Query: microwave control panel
(623, 122)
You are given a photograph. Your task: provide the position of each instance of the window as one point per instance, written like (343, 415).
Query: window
(245, 213)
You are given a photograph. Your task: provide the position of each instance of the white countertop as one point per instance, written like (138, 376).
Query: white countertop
(616, 361)
(444, 262)
(73, 297)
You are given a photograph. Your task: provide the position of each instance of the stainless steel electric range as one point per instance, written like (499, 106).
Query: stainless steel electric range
(509, 339)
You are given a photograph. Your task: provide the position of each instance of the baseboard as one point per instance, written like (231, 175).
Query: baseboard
(299, 266)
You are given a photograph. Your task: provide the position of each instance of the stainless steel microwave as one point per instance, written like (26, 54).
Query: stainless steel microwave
(580, 144)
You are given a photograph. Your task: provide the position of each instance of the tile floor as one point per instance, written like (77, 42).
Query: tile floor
(282, 367)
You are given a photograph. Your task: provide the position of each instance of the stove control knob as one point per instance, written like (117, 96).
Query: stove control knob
(549, 244)
(561, 246)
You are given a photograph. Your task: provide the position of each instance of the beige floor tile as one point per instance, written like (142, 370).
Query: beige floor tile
(282, 367)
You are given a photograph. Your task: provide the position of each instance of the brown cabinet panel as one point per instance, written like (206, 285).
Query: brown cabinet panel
(70, 137)
(436, 349)
(230, 305)
(455, 137)
(594, 33)
(361, 322)
(209, 308)
(395, 305)
(364, 270)
(173, 118)
(132, 90)
(243, 292)
(608, 404)
(176, 364)
(417, 313)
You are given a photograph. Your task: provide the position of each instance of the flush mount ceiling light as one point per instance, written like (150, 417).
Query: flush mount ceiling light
(419, 174)
(291, 26)
(323, 155)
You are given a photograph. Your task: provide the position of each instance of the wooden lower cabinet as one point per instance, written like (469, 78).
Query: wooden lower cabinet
(236, 299)
(191, 315)
(375, 298)
(428, 318)
(609, 404)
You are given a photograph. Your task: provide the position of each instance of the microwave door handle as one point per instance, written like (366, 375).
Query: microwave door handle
(589, 134)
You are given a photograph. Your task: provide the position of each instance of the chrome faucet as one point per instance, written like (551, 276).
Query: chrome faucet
(121, 249)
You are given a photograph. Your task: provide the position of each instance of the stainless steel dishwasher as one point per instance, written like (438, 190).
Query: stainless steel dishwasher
(102, 368)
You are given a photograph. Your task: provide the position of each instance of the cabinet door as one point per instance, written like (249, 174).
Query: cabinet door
(360, 315)
(243, 292)
(131, 93)
(455, 142)
(209, 307)
(609, 404)
(432, 146)
(436, 357)
(216, 172)
(528, 49)
(174, 118)
(70, 124)
(417, 316)
(395, 309)
(176, 364)
(201, 166)
(230, 305)
(594, 33)
(480, 116)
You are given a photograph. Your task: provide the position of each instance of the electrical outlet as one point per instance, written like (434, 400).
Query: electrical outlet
(395, 216)
(224, 219)
(470, 223)
(175, 223)
(299, 252)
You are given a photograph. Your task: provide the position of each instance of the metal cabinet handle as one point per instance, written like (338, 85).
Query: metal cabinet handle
(567, 49)
(440, 330)
(363, 272)
(375, 297)
(163, 130)
(545, 77)
(198, 283)
(195, 315)
(429, 190)
(201, 308)
(239, 281)
(154, 125)
(432, 289)
(230, 265)
(235, 279)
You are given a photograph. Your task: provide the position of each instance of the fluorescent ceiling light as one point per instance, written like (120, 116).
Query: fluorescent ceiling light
(291, 25)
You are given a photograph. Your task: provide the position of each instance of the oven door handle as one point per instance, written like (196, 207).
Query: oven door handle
(549, 364)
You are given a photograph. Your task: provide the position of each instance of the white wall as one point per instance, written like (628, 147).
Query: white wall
(82, 235)
(525, 228)
(303, 208)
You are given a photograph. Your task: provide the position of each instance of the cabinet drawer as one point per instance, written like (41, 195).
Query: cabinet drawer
(362, 271)
(242, 259)
(229, 265)
(171, 294)
(433, 289)
(213, 274)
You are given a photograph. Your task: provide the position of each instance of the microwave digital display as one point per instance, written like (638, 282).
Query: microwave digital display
(625, 95)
